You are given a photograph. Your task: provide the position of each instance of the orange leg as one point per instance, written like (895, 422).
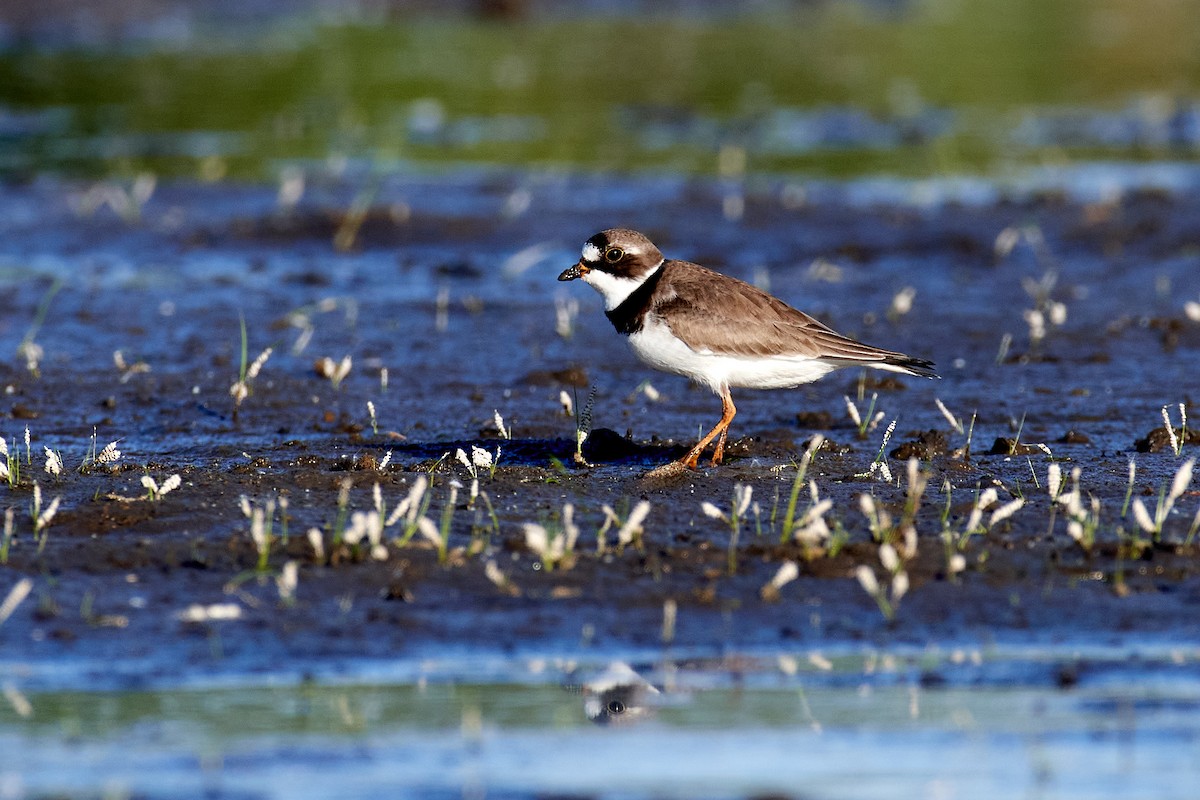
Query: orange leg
(722, 427)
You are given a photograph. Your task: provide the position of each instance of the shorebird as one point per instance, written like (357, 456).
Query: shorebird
(719, 331)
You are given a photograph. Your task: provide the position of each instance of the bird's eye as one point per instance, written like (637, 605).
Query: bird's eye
(616, 706)
(613, 254)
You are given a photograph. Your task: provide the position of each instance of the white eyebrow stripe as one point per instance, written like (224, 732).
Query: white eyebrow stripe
(591, 252)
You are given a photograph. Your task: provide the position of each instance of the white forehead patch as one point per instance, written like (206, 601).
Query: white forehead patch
(591, 252)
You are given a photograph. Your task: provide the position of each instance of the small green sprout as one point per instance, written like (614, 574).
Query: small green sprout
(126, 369)
(247, 372)
(864, 424)
(1082, 522)
(286, 582)
(887, 599)
(10, 463)
(29, 350)
(366, 526)
(741, 503)
(42, 517)
(316, 540)
(554, 547)
(7, 537)
(109, 455)
(954, 421)
(583, 426)
(879, 464)
(1005, 345)
(479, 459)
(1129, 488)
(975, 523)
(343, 510)
(411, 509)
(505, 433)
(54, 463)
(261, 520)
(786, 573)
(335, 371)
(789, 516)
(439, 535)
(628, 532)
(1166, 501)
(498, 579)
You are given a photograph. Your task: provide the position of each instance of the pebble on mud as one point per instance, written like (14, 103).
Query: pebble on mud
(815, 420)
(928, 444)
(875, 383)
(1158, 439)
(1004, 446)
(570, 376)
(22, 411)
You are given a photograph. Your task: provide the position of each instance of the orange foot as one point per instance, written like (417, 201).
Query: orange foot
(718, 432)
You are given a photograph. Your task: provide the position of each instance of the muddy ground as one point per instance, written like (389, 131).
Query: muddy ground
(448, 283)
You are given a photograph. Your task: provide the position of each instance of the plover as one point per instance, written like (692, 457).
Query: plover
(719, 331)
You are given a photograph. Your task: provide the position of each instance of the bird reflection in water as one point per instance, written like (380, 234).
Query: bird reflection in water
(617, 696)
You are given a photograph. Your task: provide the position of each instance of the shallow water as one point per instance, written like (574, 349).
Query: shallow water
(858, 728)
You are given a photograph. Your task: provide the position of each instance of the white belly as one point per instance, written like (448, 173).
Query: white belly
(655, 346)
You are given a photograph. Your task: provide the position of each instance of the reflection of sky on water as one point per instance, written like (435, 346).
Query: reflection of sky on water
(857, 726)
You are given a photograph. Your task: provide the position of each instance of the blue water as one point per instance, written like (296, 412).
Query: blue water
(856, 727)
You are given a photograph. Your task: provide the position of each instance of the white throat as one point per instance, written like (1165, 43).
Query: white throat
(615, 290)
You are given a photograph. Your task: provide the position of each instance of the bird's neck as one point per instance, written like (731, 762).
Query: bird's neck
(628, 315)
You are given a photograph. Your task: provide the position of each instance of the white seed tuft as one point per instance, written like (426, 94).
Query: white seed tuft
(54, 464)
(218, 612)
(316, 541)
(536, 538)
(257, 365)
(429, 530)
(902, 301)
(16, 595)
(1143, 516)
(288, 578)
(855, 417)
(1183, 479)
(633, 525)
(888, 557)
(741, 495)
(1005, 511)
(504, 432)
(866, 579)
(109, 454)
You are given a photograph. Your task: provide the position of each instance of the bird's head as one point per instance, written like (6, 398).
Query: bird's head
(615, 262)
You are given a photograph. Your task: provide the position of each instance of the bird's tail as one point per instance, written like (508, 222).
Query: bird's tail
(920, 367)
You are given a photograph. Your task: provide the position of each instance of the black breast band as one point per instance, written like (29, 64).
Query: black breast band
(630, 315)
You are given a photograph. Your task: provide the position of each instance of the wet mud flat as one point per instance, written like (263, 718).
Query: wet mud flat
(445, 284)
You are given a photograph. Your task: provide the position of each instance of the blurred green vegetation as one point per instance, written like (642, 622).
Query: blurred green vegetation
(607, 92)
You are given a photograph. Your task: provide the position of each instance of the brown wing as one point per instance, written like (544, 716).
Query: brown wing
(724, 315)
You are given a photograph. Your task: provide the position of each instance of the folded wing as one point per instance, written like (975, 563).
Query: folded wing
(714, 313)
